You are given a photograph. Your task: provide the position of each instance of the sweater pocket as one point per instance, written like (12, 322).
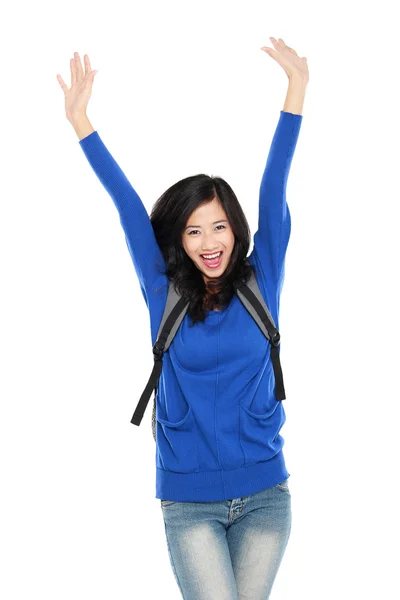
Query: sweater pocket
(178, 444)
(259, 433)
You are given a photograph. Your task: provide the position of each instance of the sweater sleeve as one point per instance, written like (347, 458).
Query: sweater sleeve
(139, 235)
(274, 224)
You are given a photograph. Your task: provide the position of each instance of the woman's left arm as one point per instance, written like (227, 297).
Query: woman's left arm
(295, 96)
(272, 236)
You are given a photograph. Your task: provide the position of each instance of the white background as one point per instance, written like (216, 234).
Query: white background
(184, 88)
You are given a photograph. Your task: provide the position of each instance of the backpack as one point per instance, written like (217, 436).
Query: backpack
(175, 309)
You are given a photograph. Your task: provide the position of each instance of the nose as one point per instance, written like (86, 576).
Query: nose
(209, 244)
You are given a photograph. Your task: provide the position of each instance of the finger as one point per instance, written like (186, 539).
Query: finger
(90, 79)
(73, 71)
(267, 48)
(286, 46)
(277, 42)
(62, 84)
(88, 68)
(270, 52)
(78, 65)
(280, 44)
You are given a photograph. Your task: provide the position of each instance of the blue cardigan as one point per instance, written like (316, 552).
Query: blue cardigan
(218, 421)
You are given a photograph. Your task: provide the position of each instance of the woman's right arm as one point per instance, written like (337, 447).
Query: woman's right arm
(142, 244)
(82, 126)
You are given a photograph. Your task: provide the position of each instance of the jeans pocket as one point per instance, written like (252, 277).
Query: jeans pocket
(283, 486)
(167, 502)
(178, 444)
(259, 433)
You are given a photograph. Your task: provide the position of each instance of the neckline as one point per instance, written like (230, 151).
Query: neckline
(221, 310)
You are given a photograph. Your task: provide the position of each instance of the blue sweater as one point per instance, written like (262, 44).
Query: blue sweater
(218, 422)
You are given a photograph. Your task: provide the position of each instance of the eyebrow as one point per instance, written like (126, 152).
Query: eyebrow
(215, 222)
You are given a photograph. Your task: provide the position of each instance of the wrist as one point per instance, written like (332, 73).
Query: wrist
(76, 118)
(294, 99)
(81, 125)
(297, 81)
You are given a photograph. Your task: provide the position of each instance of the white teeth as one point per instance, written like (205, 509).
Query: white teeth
(211, 255)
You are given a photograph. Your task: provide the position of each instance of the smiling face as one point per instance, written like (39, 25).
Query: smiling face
(207, 232)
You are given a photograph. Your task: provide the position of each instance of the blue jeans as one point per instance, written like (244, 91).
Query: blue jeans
(228, 549)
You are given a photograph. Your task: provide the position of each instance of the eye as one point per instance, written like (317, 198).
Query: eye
(193, 230)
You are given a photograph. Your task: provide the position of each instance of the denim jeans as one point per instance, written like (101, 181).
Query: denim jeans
(228, 549)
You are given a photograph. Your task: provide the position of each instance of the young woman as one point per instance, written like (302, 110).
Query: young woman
(220, 472)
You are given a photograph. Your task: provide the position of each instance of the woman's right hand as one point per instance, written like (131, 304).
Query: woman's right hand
(77, 97)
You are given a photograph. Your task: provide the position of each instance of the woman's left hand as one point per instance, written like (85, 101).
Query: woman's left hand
(291, 63)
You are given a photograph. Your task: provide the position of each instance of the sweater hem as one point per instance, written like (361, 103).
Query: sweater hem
(211, 486)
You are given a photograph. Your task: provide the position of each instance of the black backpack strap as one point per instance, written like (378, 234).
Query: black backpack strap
(174, 312)
(175, 309)
(250, 296)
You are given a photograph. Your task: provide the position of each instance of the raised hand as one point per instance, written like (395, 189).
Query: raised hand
(288, 59)
(77, 96)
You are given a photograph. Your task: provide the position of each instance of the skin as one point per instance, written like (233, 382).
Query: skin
(77, 96)
(208, 238)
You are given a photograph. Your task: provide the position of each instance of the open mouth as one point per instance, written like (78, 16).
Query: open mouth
(212, 263)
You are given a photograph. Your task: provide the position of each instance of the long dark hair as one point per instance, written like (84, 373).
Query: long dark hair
(169, 216)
